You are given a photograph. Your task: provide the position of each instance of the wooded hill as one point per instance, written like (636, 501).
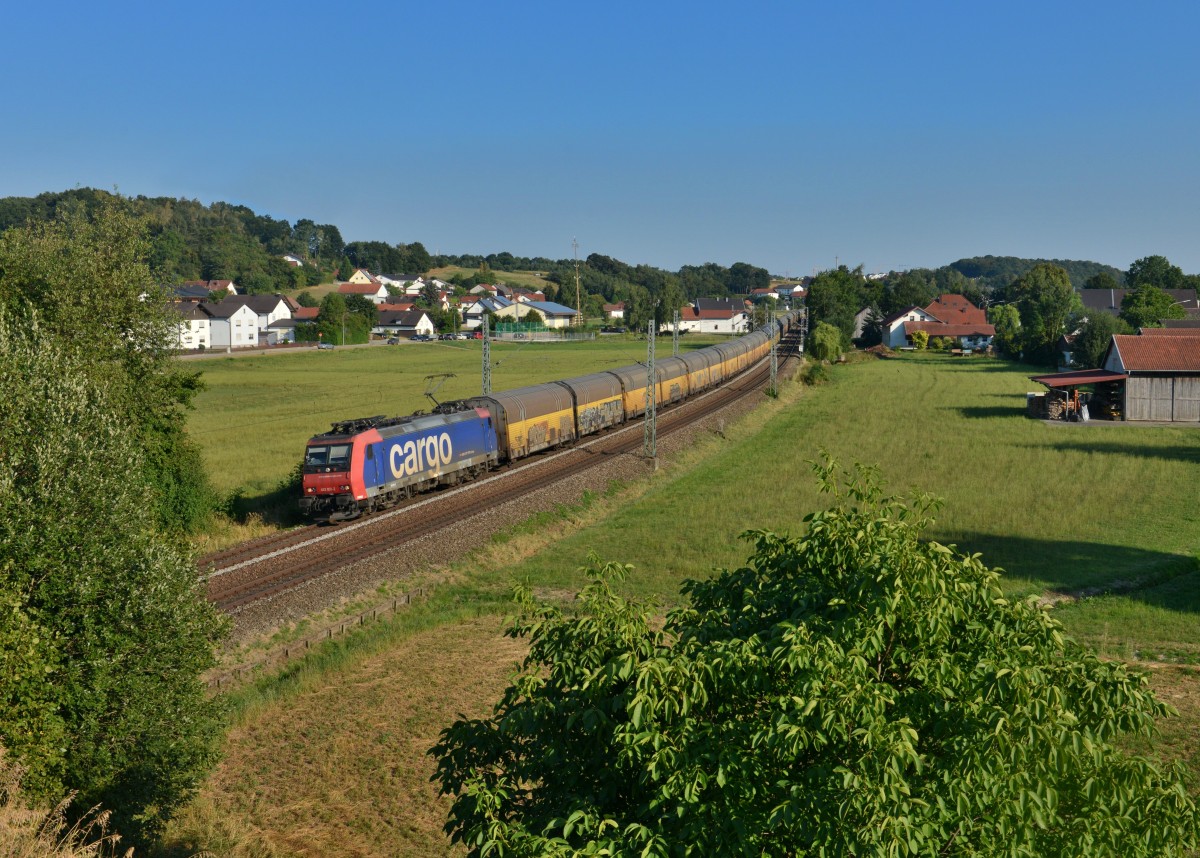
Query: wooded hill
(996, 272)
(193, 241)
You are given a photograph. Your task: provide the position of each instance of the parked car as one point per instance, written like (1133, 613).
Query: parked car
(393, 341)
(420, 338)
(478, 335)
(462, 335)
(324, 346)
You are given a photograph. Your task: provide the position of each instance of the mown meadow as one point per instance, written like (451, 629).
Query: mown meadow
(1100, 519)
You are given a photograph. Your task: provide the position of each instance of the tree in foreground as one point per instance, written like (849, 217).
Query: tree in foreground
(853, 691)
(103, 628)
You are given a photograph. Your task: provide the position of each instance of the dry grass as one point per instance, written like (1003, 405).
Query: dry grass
(340, 769)
(27, 832)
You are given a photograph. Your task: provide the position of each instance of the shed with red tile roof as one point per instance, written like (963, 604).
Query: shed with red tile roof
(1164, 376)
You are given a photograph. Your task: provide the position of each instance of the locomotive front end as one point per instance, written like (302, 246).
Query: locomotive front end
(328, 487)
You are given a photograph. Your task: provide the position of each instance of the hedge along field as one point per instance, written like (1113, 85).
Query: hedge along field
(1062, 508)
(258, 411)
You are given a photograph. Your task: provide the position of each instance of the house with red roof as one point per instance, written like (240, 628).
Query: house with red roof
(615, 311)
(715, 316)
(376, 292)
(950, 316)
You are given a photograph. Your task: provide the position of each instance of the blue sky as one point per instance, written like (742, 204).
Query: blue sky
(788, 135)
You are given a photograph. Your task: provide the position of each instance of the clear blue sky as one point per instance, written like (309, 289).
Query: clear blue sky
(784, 134)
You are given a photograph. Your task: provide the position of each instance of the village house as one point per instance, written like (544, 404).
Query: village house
(193, 330)
(404, 323)
(375, 292)
(554, 315)
(714, 316)
(950, 316)
(615, 311)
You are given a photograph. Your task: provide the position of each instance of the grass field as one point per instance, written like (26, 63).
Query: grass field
(332, 757)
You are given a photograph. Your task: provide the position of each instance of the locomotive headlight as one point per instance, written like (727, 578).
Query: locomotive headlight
(345, 488)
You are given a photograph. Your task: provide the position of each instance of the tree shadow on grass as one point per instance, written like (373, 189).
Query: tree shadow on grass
(1076, 568)
(1171, 453)
(985, 411)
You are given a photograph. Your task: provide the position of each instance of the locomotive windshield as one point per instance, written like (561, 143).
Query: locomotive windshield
(335, 457)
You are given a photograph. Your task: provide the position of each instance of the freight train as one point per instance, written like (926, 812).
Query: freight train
(372, 463)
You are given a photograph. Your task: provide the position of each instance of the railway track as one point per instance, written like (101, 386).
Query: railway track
(273, 565)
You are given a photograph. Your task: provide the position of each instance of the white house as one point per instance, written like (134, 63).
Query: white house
(715, 316)
(194, 330)
(268, 308)
(472, 315)
(893, 325)
(554, 315)
(293, 260)
(232, 325)
(615, 311)
(376, 292)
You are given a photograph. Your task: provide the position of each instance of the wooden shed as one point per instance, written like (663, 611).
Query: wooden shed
(1162, 376)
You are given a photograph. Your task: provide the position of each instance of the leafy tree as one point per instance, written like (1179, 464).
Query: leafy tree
(858, 690)
(105, 630)
(1007, 321)
(910, 289)
(1103, 280)
(1146, 306)
(872, 332)
(1046, 302)
(836, 297)
(338, 323)
(1154, 271)
(826, 342)
(306, 299)
(920, 340)
(84, 267)
(416, 258)
(1091, 343)
(744, 278)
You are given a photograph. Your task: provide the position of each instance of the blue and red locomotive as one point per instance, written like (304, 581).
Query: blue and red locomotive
(373, 463)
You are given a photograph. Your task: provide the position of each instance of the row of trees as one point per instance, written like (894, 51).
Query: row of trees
(1033, 312)
(104, 630)
(1030, 312)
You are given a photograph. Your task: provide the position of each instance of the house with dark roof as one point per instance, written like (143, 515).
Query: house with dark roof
(1162, 375)
(1109, 300)
(232, 324)
(405, 323)
(555, 315)
(615, 311)
(193, 330)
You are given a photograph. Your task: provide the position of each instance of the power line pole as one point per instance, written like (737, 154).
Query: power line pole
(650, 427)
(487, 357)
(774, 391)
(675, 336)
(578, 294)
